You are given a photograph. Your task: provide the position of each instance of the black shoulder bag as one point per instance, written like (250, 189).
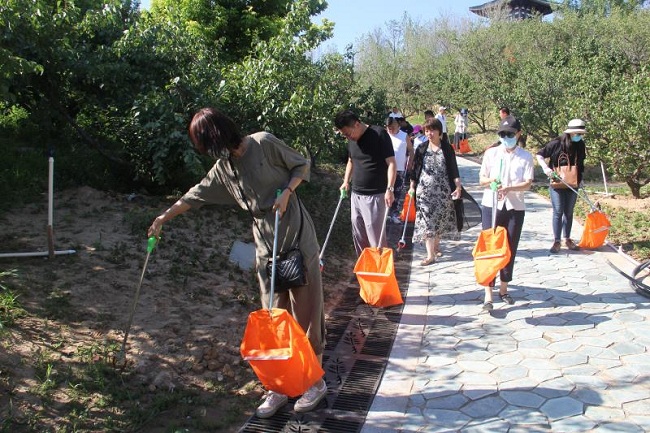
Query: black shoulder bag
(290, 269)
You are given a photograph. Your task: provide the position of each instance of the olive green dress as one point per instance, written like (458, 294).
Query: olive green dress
(267, 165)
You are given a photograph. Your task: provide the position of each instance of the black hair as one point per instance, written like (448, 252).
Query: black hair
(214, 133)
(390, 120)
(433, 124)
(345, 118)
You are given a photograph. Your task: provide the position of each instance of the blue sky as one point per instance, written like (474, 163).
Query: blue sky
(354, 18)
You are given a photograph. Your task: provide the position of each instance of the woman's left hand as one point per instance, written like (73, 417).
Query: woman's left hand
(282, 201)
(456, 194)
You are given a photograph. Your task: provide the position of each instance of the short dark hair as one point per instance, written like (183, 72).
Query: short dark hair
(433, 124)
(505, 110)
(214, 133)
(428, 113)
(390, 120)
(345, 118)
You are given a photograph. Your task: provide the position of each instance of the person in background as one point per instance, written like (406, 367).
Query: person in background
(571, 143)
(437, 182)
(395, 113)
(521, 137)
(371, 174)
(247, 173)
(460, 121)
(512, 168)
(405, 126)
(403, 149)
(442, 117)
(418, 136)
(428, 114)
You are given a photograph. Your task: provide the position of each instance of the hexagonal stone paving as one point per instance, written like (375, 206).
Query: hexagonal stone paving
(562, 407)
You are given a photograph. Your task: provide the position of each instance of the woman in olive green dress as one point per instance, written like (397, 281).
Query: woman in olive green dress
(247, 173)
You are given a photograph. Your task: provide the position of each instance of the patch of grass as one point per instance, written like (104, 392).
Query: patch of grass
(10, 308)
(57, 305)
(629, 228)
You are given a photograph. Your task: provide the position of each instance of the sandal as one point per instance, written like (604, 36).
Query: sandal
(487, 307)
(427, 262)
(507, 298)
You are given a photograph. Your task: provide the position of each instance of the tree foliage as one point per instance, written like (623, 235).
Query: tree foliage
(102, 78)
(124, 84)
(591, 64)
(233, 26)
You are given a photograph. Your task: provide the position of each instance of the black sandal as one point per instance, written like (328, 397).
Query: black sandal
(507, 298)
(488, 306)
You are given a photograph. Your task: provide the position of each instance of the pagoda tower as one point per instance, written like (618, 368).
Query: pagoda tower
(515, 9)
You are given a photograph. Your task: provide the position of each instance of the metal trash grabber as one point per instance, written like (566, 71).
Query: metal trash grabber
(402, 242)
(275, 253)
(344, 194)
(383, 227)
(151, 244)
(582, 196)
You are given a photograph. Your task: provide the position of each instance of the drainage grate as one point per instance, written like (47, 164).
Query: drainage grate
(333, 425)
(359, 388)
(359, 341)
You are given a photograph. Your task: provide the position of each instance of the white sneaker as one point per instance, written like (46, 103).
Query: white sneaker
(271, 404)
(311, 398)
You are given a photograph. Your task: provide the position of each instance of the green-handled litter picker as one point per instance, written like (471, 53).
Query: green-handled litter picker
(151, 244)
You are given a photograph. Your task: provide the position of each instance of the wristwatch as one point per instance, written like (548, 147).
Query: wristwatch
(391, 189)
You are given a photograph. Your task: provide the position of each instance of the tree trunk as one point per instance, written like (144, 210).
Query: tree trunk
(635, 187)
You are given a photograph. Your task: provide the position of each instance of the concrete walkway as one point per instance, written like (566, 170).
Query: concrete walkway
(570, 356)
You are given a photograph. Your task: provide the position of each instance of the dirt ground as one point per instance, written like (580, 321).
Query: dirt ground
(634, 204)
(183, 370)
(60, 363)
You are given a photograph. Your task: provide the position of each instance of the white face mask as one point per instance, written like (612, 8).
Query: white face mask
(508, 142)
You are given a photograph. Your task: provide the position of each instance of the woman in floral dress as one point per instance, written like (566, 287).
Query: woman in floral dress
(436, 178)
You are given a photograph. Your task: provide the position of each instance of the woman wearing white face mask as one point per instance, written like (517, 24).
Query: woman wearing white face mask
(567, 150)
(508, 168)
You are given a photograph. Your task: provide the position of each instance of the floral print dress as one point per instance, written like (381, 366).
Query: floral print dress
(435, 215)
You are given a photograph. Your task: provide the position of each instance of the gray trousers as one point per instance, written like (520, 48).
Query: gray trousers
(368, 220)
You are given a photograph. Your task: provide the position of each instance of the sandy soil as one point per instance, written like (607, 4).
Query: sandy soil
(187, 325)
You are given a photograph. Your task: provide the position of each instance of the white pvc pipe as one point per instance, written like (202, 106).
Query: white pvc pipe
(50, 193)
(36, 254)
(602, 168)
(50, 218)
(50, 208)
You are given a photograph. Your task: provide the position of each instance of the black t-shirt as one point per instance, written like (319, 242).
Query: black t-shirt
(368, 155)
(576, 153)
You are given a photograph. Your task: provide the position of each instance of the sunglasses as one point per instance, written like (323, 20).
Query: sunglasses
(506, 134)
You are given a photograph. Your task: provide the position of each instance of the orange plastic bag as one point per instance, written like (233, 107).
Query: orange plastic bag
(375, 270)
(279, 352)
(491, 254)
(464, 146)
(408, 202)
(596, 230)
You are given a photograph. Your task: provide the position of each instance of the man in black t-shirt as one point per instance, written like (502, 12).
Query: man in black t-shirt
(371, 169)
